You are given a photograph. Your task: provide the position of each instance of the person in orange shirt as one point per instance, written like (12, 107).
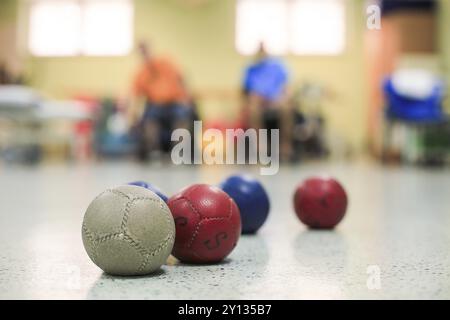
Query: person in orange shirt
(167, 103)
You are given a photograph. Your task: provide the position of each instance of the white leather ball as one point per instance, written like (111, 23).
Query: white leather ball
(128, 230)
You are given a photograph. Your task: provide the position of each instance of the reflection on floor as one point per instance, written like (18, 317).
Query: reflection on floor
(397, 231)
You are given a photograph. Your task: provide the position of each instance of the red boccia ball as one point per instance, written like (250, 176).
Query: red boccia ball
(207, 223)
(320, 202)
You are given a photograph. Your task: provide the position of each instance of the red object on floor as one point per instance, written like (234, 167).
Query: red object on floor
(207, 222)
(320, 202)
(84, 129)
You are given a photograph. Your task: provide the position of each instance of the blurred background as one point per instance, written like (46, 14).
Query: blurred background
(363, 79)
(91, 90)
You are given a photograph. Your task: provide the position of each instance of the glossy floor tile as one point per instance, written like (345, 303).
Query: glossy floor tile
(393, 243)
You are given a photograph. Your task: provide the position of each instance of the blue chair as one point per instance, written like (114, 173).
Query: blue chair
(420, 115)
(400, 107)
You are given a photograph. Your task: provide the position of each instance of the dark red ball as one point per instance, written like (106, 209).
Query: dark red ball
(320, 202)
(207, 222)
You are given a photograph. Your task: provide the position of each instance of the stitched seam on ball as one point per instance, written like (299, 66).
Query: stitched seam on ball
(128, 207)
(169, 218)
(145, 198)
(123, 225)
(197, 227)
(101, 194)
(91, 238)
(192, 189)
(191, 205)
(89, 233)
(160, 247)
(194, 235)
(135, 243)
(96, 240)
(221, 218)
(137, 246)
(202, 219)
(112, 236)
(133, 201)
(119, 193)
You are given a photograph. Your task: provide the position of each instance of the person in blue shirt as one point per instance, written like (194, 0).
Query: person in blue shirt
(266, 99)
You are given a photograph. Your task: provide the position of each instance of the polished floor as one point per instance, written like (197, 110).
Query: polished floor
(394, 242)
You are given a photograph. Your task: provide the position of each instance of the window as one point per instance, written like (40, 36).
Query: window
(80, 27)
(304, 27)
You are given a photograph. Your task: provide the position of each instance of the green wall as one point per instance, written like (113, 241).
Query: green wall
(8, 11)
(201, 40)
(444, 36)
(8, 35)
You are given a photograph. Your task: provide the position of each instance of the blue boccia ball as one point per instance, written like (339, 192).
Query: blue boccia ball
(251, 198)
(150, 187)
